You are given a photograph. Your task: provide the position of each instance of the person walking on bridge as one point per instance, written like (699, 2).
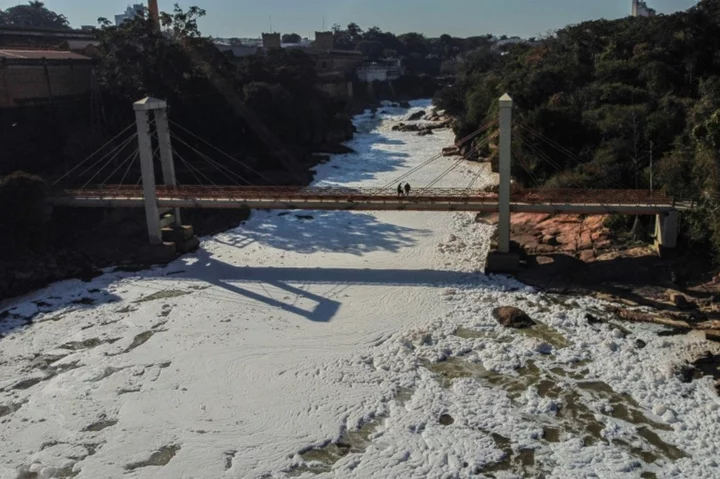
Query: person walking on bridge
(407, 189)
(400, 190)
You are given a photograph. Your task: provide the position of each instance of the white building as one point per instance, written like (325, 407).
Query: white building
(640, 9)
(131, 12)
(380, 71)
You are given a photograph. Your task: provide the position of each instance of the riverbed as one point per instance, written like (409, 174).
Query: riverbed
(343, 344)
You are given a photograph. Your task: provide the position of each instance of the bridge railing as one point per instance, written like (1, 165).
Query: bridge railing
(345, 194)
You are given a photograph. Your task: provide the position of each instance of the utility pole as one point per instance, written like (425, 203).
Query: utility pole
(651, 166)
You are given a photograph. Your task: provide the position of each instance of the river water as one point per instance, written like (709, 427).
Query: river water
(342, 344)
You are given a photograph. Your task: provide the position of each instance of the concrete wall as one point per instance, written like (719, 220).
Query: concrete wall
(36, 84)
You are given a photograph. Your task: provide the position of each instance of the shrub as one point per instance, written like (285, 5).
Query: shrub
(22, 210)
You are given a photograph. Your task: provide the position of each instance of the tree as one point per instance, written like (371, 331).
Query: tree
(34, 14)
(182, 24)
(291, 38)
(372, 50)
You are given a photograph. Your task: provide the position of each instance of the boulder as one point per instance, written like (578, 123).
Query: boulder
(587, 255)
(418, 115)
(451, 151)
(681, 302)
(403, 127)
(544, 249)
(425, 132)
(446, 420)
(585, 242)
(512, 317)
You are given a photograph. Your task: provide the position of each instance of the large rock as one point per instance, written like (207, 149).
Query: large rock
(403, 127)
(681, 302)
(418, 115)
(512, 317)
(451, 151)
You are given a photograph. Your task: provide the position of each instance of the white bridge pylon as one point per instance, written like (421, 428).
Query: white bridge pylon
(144, 109)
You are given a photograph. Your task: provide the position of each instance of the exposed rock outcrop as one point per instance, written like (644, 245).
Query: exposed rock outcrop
(585, 237)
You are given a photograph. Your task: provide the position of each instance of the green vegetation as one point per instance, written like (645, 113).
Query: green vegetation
(23, 221)
(34, 14)
(615, 94)
(432, 56)
(237, 104)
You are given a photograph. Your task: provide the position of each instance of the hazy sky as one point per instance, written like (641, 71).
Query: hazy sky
(433, 17)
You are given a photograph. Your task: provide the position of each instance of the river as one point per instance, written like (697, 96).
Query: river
(342, 344)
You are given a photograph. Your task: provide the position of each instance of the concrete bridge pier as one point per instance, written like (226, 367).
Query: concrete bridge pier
(143, 108)
(666, 231)
(166, 233)
(503, 260)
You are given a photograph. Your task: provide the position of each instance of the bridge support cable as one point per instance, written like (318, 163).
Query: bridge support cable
(117, 151)
(110, 153)
(457, 163)
(127, 171)
(479, 173)
(525, 165)
(442, 175)
(193, 169)
(129, 160)
(108, 143)
(241, 163)
(544, 157)
(227, 172)
(438, 156)
(577, 160)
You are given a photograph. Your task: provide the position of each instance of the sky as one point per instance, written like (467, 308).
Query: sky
(249, 18)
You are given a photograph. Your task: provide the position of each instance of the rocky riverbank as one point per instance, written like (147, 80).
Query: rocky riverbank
(580, 255)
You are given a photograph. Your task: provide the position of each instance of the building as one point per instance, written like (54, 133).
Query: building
(238, 50)
(131, 12)
(37, 77)
(30, 38)
(641, 9)
(271, 40)
(383, 71)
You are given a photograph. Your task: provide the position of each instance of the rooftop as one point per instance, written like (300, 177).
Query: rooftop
(41, 55)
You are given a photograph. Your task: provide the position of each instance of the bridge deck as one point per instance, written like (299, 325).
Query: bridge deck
(373, 199)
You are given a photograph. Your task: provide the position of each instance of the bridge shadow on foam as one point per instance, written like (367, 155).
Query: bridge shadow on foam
(294, 289)
(308, 232)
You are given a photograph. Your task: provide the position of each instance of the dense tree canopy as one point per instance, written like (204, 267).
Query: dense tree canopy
(614, 95)
(34, 14)
(240, 103)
